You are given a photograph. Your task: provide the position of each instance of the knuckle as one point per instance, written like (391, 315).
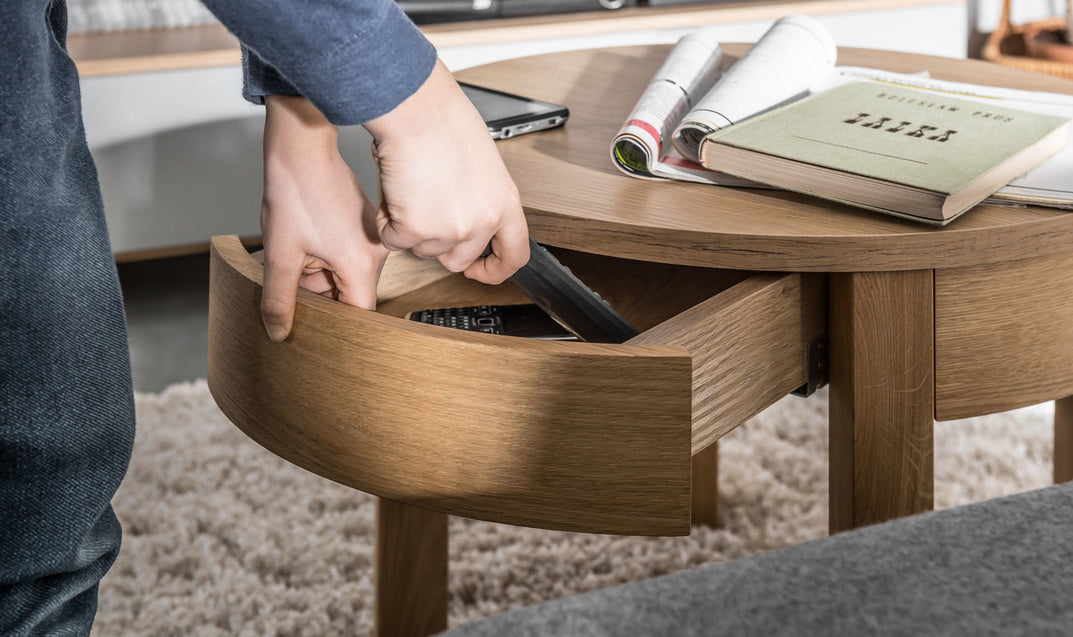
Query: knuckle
(424, 251)
(453, 264)
(393, 237)
(485, 276)
(514, 196)
(273, 308)
(457, 232)
(511, 199)
(495, 215)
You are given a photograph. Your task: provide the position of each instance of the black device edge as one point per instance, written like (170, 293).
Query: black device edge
(565, 298)
(558, 109)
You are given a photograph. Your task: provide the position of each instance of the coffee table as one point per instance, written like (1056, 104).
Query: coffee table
(732, 289)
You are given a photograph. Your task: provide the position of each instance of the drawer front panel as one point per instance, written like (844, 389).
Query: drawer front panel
(571, 436)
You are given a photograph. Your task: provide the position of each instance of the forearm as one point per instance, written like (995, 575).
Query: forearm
(428, 110)
(295, 132)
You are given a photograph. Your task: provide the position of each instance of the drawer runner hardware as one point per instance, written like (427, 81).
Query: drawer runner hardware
(817, 367)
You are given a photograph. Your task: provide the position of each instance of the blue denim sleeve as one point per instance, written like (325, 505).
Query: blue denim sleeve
(354, 59)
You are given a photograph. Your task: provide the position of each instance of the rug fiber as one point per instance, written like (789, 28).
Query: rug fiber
(223, 538)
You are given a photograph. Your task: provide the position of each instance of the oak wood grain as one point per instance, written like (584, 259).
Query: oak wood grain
(748, 345)
(761, 328)
(1003, 335)
(471, 424)
(403, 273)
(150, 50)
(410, 570)
(881, 397)
(706, 486)
(1063, 440)
(575, 197)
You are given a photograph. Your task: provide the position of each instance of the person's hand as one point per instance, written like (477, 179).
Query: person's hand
(444, 191)
(319, 227)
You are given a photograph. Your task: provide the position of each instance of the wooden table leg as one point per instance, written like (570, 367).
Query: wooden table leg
(706, 486)
(411, 570)
(1063, 440)
(882, 396)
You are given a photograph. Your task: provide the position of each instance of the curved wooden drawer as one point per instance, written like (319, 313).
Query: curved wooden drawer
(571, 436)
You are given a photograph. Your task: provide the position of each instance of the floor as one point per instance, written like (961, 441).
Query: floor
(167, 319)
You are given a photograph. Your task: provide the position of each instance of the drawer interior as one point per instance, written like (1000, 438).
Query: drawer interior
(645, 294)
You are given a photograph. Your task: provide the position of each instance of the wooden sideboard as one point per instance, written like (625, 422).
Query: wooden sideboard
(146, 51)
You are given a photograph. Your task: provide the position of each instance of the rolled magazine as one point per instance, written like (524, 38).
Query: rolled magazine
(642, 147)
(794, 54)
(690, 96)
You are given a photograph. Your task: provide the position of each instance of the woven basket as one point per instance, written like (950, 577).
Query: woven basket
(1007, 46)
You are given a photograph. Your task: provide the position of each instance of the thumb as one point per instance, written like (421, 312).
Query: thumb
(281, 276)
(357, 280)
(389, 233)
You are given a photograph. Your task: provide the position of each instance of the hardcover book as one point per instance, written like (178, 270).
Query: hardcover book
(916, 154)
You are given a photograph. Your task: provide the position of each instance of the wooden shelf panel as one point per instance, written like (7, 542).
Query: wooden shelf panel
(115, 53)
(118, 53)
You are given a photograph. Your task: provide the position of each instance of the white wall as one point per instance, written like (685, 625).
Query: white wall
(179, 154)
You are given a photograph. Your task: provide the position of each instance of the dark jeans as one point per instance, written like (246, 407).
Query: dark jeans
(66, 405)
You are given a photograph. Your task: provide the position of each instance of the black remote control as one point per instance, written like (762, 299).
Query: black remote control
(553, 287)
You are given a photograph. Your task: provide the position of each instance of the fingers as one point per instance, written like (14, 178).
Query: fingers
(454, 247)
(353, 282)
(390, 235)
(319, 281)
(510, 251)
(462, 255)
(356, 279)
(282, 272)
(460, 251)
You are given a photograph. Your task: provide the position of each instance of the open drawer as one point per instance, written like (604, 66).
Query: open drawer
(562, 435)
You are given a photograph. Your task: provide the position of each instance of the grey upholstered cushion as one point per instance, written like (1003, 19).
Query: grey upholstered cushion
(1001, 567)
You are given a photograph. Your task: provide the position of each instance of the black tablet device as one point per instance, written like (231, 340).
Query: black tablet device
(509, 115)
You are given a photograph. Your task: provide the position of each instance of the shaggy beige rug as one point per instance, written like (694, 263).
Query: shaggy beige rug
(223, 538)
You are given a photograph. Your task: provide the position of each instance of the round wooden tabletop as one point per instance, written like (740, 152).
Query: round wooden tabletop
(575, 197)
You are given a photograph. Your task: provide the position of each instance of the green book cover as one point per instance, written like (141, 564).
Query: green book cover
(927, 140)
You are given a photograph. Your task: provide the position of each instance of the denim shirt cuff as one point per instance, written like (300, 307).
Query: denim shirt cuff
(365, 77)
(260, 79)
